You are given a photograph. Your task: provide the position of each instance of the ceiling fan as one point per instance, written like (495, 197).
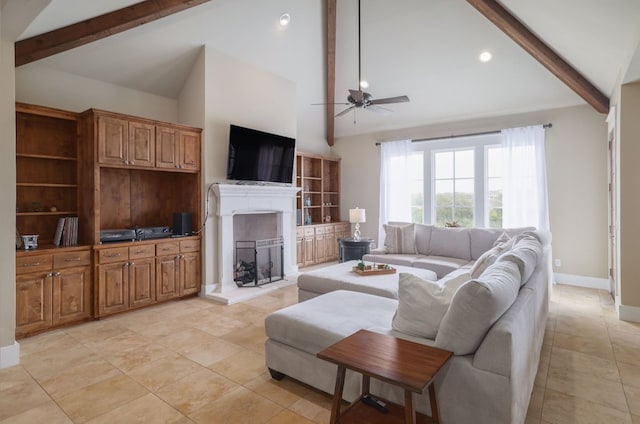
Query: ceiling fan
(359, 99)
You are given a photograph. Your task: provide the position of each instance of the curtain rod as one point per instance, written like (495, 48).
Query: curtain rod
(459, 135)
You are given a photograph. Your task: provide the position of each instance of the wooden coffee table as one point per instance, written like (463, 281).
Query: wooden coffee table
(406, 364)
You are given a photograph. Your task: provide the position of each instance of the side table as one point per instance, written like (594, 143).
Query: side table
(350, 249)
(393, 361)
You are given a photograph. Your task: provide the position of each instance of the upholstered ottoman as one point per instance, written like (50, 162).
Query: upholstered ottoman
(342, 277)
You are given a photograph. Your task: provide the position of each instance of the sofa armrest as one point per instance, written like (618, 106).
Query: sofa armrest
(378, 251)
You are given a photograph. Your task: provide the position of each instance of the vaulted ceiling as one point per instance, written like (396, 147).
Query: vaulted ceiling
(426, 49)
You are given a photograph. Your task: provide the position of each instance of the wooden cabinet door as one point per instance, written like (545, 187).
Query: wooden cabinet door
(142, 282)
(189, 151)
(113, 140)
(330, 247)
(321, 255)
(71, 295)
(190, 273)
(309, 250)
(142, 145)
(167, 277)
(33, 302)
(113, 288)
(300, 251)
(167, 147)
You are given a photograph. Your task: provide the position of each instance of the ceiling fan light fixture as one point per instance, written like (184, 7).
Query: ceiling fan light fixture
(285, 18)
(485, 56)
(364, 84)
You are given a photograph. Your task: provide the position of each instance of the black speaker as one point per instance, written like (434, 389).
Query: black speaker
(182, 224)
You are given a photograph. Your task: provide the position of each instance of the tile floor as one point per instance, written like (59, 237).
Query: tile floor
(196, 361)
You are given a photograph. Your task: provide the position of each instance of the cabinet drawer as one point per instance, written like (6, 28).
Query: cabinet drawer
(71, 259)
(343, 228)
(329, 229)
(116, 254)
(146, 251)
(309, 232)
(36, 263)
(190, 246)
(167, 248)
(320, 230)
(299, 232)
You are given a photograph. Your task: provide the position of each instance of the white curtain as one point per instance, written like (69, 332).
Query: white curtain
(524, 195)
(395, 190)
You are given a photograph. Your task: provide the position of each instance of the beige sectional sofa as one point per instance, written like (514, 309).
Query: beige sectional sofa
(494, 324)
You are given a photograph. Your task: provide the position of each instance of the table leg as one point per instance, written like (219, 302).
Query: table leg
(337, 395)
(408, 407)
(365, 384)
(435, 415)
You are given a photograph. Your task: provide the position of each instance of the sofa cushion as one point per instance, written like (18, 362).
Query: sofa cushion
(526, 253)
(400, 238)
(451, 242)
(483, 239)
(392, 259)
(423, 238)
(317, 323)
(439, 264)
(476, 306)
(423, 303)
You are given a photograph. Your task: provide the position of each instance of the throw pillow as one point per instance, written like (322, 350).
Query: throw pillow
(399, 239)
(489, 257)
(450, 242)
(422, 304)
(526, 254)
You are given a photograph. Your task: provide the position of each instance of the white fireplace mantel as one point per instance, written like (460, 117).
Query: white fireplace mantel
(235, 199)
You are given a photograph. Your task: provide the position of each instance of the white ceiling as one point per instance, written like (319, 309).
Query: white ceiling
(426, 49)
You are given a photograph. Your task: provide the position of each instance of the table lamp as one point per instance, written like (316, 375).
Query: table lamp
(356, 216)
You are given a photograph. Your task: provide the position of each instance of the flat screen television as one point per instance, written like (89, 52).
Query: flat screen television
(259, 156)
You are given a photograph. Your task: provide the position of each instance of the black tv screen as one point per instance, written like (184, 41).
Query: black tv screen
(259, 156)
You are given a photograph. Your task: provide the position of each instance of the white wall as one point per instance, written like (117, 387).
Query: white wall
(44, 86)
(576, 149)
(241, 94)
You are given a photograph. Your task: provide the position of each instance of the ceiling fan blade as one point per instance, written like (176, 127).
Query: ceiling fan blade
(399, 99)
(324, 104)
(357, 95)
(379, 109)
(344, 112)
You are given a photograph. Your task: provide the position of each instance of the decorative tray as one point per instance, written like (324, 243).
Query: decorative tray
(374, 270)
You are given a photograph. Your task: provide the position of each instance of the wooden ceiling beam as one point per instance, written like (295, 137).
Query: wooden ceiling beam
(87, 31)
(331, 69)
(537, 48)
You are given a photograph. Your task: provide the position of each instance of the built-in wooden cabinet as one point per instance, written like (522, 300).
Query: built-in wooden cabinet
(52, 289)
(319, 243)
(112, 171)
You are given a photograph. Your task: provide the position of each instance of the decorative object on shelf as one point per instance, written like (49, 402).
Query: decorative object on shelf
(53, 209)
(357, 216)
(452, 224)
(307, 201)
(30, 241)
(18, 240)
(327, 219)
(36, 207)
(307, 218)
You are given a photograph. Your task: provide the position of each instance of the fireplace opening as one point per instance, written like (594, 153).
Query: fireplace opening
(258, 262)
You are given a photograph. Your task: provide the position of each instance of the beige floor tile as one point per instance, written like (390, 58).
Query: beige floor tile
(196, 390)
(629, 374)
(210, 351)
(571, 362)
(84, 373)
(48, 364)
(635, 419)
(125, 340)
(289, 417)
(21, 397)
(543, 366)
(49, 413)
(10, 377)
(535, 404)
(581, 325)
(531, 420)
(100, 398)
(95, 331)
(157, 374)
(145, 409)
(218, 325)
(239, 406)
(251, 337)
(242, 367)
(284, 392)
(625, 349)
(177, 340)
(633, 398)
(311, 411)
(599, 346)
(560, 408)
(247, 314)
(52, 341)
(129, 359)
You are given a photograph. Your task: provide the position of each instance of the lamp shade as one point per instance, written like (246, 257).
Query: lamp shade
(357, 216)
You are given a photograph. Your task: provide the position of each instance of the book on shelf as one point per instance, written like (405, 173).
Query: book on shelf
(66, 232)
(57, 238)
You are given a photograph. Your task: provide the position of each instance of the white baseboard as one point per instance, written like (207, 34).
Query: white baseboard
(629, 313)
(10, 355)
(582, 281)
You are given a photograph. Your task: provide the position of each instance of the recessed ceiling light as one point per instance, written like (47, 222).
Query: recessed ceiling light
(485, 56)
(364, 84)
(285, 18)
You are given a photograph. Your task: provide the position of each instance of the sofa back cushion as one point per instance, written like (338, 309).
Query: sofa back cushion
(423, 238)
(526, 254)
(423, 303)
(451, 242)
(476, 306)
(483, 239)
(400, 238)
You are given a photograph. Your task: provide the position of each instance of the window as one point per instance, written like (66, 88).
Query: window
(458, 181)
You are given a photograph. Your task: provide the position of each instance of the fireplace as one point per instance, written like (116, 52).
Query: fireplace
(258, 262)
(252, 213)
